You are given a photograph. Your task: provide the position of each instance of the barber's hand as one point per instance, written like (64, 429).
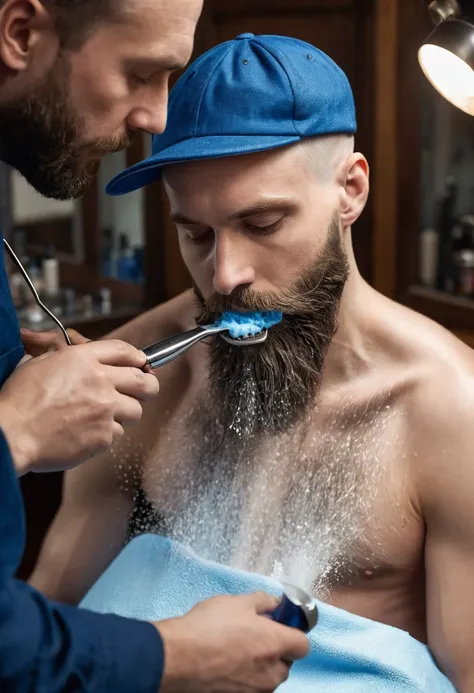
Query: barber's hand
(38, 343)
(223, 645)
(61, 408)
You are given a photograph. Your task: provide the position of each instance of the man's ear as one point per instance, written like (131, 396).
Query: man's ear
(26, 31)
(355, 181)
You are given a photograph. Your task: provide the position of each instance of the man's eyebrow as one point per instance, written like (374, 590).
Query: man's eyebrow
(169, 63)
(259, 208)
(179, 218)
(174, 65)
(280, 205)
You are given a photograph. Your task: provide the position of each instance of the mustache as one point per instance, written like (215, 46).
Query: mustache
(242, 300)
(304, 297)
(111, 145)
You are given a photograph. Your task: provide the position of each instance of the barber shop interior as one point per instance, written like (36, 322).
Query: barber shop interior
(285, 244)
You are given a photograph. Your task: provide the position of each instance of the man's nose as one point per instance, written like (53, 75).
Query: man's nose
(150, 114)
(232, 265)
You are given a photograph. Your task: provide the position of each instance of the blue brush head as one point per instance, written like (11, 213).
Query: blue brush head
(248, 324)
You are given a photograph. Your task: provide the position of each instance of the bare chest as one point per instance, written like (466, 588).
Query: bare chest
(327, 507)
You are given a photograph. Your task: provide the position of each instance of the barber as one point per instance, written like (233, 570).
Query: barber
(77, 77)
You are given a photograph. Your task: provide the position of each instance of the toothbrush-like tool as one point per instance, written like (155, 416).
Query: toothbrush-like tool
(167, 350)
(239, 329)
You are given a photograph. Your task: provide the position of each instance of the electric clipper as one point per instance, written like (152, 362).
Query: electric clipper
(296, 609)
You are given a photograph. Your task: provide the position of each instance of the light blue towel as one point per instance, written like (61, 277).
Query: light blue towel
(154, 578)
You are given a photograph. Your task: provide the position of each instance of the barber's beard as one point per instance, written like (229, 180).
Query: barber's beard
(40, 136)
(268, 388)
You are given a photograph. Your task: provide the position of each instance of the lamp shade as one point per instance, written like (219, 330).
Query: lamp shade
(447, 60)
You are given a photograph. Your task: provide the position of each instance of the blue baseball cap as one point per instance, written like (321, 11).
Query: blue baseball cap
(247, 95)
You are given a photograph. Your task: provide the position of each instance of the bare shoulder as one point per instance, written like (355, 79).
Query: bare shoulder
(166, 319)
(443, 369)
(438, 403)
(430, 375)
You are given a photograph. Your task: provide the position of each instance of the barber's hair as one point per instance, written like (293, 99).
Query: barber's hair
(76, 20)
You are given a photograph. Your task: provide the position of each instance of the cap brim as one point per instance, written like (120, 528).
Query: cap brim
(212, 147)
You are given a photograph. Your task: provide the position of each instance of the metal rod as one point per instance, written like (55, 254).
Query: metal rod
(31, 286)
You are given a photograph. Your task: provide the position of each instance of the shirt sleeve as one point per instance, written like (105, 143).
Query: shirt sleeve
(47, 647)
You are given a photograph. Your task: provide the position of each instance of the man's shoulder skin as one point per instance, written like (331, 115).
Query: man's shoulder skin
(440, 381)
(439, 407)
(429, 376)
(435, 371)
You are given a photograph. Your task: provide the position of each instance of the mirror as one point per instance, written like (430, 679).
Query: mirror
(39, 223)
(121, 224)
(447, 197)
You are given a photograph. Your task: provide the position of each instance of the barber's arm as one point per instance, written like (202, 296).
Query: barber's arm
(55, 411)
(446, 483)
(48, 647)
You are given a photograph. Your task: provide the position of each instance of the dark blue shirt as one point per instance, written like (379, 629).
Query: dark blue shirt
(47, 647)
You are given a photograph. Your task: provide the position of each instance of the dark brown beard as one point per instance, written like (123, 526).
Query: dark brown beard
(40, 137)
(269, 388)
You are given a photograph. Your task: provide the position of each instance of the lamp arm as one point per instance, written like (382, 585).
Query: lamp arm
(440, 10)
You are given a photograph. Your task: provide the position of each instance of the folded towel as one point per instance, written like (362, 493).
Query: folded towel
(155, 578)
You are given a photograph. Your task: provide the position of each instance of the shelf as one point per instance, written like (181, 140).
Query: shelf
(92, 326)
(443, 297)
(454, 312)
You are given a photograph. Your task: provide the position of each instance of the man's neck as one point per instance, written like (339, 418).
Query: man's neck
(350, 353)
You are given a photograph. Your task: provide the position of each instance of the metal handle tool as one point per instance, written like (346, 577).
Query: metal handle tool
(31, 286)
(167, 350)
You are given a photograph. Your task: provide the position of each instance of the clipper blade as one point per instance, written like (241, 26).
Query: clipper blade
(247, 341)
